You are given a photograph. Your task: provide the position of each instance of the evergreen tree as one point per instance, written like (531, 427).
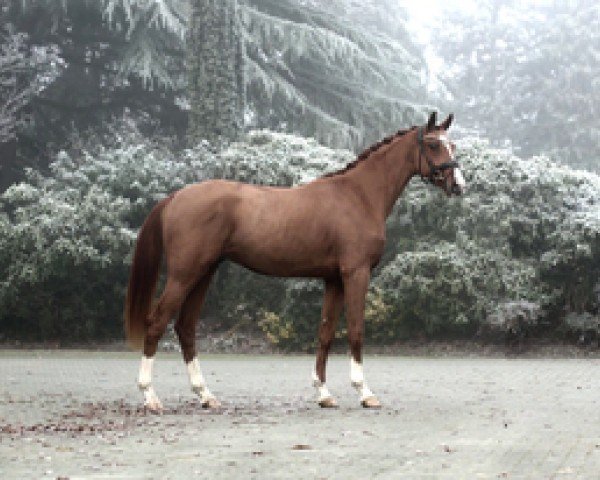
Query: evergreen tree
(215, 70)
(117, 55)
(344, 73)
(527, 76)
(25, 72)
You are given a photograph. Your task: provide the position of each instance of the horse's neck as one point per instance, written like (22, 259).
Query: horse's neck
(384, 175)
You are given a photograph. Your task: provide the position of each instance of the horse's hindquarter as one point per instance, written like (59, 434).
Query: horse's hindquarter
(198, 222)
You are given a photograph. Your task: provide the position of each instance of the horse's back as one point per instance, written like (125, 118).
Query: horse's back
(245, 202)
(228, 199)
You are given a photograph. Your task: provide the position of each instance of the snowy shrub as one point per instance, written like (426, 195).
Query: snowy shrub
(514, 316)
(512, 321)
(528, 231)
(450, 288)
(584, 325)
(67, 237)
(295, 324)
(537, 212)
(522, 246)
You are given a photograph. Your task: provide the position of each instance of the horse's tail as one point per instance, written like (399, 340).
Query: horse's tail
(144, 275)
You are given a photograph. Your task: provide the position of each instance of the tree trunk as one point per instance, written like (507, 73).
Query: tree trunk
(215, 58)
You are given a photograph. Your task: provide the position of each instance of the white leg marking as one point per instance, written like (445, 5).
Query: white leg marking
(459, 179)
(145, 376)
(199, 384)
(322, 389)
(357, 378)
(195, 373)
(151, 400)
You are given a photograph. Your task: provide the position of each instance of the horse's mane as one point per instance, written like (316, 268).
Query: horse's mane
(367, 152)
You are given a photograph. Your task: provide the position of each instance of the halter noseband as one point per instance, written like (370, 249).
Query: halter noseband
(435, 171)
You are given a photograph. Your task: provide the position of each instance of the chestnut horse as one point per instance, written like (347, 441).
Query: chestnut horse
(331, 228)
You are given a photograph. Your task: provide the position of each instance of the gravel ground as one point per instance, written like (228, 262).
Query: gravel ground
(77, 415)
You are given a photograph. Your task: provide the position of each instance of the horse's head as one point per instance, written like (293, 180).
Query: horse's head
(436, 163)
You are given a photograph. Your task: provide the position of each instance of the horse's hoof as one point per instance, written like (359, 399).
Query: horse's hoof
(154, 406)
(370, 402)
(328, 402)
(211, 403)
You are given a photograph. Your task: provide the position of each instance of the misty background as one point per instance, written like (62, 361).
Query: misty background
(107, 106)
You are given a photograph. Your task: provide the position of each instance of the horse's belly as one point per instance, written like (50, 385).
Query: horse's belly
(285, 263)
(280, 232)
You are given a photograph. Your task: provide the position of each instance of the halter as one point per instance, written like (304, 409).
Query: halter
(435, 171)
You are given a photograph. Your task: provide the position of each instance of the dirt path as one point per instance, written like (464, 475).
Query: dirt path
(76, 415)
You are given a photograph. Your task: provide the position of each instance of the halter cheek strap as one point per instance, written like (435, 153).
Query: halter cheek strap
(433, 168)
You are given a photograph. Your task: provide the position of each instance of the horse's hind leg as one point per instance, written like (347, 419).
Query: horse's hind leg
(332, 307)
(167, 306)
(186, 331)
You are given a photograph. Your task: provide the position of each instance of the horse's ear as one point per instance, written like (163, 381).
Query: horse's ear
(446, 123)
(431, 121)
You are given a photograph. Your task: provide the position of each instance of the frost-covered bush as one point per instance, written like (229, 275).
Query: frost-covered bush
(450, 288)
(67, 237)
(70, 234)
(537, 212)
(514, 316)
(584, 325)
(295, 323)
(522, 246)
(528, 231)
(270, 158)
(513, 321)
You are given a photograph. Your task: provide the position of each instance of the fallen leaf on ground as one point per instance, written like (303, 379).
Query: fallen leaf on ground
(301, 446)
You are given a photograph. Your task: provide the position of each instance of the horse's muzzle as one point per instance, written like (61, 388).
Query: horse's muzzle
(459, 185)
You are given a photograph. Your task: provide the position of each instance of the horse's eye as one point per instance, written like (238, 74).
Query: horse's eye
(435, 146)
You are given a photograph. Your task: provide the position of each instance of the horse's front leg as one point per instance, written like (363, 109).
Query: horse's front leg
(332, 307)
(356, 284)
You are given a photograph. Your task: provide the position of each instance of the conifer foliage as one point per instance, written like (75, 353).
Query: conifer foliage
(215, 60)
(527, 76)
